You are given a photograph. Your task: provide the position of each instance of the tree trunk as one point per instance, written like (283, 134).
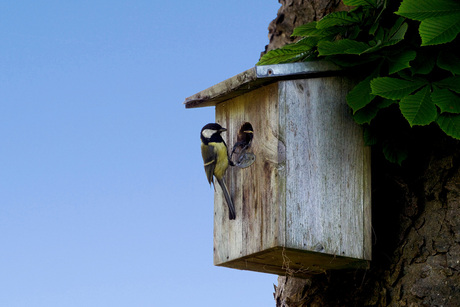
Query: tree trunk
(416, 216)
(294, 13)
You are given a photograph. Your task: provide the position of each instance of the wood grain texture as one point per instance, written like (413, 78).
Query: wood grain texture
(254, 190)
(325, 177)
(306, 199)
(224, 90)
(294, 262)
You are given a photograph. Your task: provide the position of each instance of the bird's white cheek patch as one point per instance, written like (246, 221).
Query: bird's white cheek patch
(207, 133)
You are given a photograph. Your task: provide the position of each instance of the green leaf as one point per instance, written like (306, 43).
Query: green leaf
(374, 28)
(361, 95)
(404, 74)
(395, 153)
(278, 56)
(288, 53)
(452, 83)
(341, 18)
(310, 30)
(396, 31)
(400, 61)
(423, 9)
(347, 61)
(370, 138)
(398, 35)
(351, 32)
(450, 124)
(424, 62)
(305, 43)
(419, 109)
(360, 2)
(376, 46)
(385, 103)
(439, 30)
(305, 30)
(379, 35)
(367, 114)
(449, 61)
(394, 88)
(446, 100)
(344, 46)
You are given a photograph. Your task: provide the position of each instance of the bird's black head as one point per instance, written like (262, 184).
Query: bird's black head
(211, 133)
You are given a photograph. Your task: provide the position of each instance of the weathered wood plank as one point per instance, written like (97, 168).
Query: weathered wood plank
(292, 262)
(367, 192)
(225, 90)
(325, 175)
(254, 189)
(256, 77)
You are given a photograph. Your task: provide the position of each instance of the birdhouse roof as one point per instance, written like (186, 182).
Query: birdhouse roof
(256, 77)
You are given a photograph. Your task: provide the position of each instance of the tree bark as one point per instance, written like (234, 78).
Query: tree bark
(416, 216)
(294, 13)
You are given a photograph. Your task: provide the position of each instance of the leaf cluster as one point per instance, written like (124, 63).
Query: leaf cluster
(407, 55)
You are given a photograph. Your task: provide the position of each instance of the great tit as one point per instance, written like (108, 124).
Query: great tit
(216, 161)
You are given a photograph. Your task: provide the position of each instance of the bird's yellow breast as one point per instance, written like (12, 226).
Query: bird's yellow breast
(222, 159)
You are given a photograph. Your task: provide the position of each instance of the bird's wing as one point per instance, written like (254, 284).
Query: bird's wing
(209, 154)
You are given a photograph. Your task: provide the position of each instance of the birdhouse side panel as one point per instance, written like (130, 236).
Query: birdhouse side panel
(254, 189)
(325, 172)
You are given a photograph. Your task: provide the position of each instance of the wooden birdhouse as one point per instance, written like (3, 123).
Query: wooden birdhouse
(304, 205)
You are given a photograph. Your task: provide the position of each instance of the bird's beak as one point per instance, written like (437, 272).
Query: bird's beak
(222, 129)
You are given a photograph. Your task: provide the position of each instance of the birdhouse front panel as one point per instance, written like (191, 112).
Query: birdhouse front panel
(254, 189)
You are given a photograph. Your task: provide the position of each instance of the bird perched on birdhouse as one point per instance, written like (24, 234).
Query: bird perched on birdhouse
(216, 161)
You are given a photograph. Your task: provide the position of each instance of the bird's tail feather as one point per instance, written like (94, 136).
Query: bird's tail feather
(231, 207)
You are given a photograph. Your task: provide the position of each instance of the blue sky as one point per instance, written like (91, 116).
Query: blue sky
(103, 196)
